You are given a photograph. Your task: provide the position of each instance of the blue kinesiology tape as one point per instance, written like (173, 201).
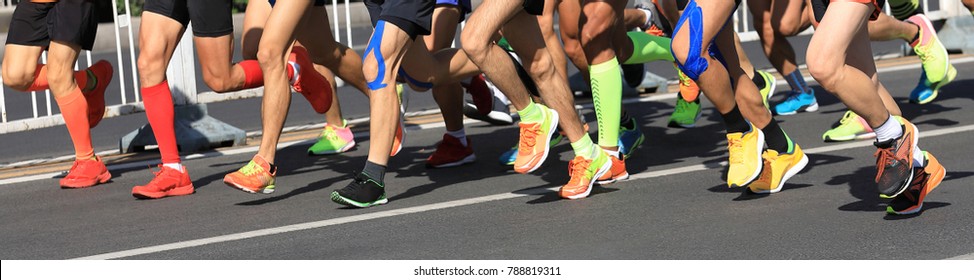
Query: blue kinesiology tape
(694, 65)
(375, 48)
(417, 83)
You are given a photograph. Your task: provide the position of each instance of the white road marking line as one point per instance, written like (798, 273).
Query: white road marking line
(452, 204)
(963, 257)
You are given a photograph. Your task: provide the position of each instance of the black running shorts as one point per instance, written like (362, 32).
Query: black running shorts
(534, 7)
(67, 21)
(211, 18)
(412, 16)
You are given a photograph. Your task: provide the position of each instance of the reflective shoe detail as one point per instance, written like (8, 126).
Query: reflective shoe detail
(617, 172)
(86, 173)
(167, 182)
(583, 173)
(450, 152)
(932, 54)
(851, 127)
(797, 102)
(309, 82)
(102, 70)
(685, 113)
(532, 147)
(778, 168)
(630, 139)
(894, 162)
(255, 177)
(770, 84)
(924, 181)
(333, 140)
(744, 157)
(362, 192)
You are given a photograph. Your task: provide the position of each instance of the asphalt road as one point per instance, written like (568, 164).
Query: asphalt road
(675, 207)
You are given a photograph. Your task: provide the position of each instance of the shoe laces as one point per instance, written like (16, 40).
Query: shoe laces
(577, 169)
(162, 174)
(884, 157)
(251, 168)
(529, 135)
(330, 133)
(735, 145)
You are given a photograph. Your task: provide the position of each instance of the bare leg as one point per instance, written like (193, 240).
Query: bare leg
(449, 97)
(20, 65)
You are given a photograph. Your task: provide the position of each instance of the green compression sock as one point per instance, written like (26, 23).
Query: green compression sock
(584, 147)
(647, 48)
(531, 114)
(607, 96)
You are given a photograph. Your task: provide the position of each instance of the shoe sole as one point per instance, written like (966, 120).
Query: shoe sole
(909, 179)
(938, 178)
(674, 124)
(622, 177)
(339, 151)
(757, 172)
(935, 89)
(100, 179)
(469, 159)
(174, 192)
(632, 149)
(266, 190)
(804, 108)
(602, 170)
(863, 136)
(337, 198)
(552, 128)
(788, 174)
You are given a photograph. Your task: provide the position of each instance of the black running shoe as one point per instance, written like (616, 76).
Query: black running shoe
(894, 162)
(362, 192)
(925, 179)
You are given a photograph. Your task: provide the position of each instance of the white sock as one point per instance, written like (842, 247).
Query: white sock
(918, 157)
(612, 153)
(891, 129)
(176, 166)
(649, 19)
(459, 134)
(294, 74)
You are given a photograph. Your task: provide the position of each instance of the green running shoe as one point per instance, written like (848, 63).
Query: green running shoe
(770, 83)
(686, 113)
(333, 140)
(933, 55)
(851, 127)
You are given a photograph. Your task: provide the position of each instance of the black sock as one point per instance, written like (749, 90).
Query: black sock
(777, 139)
(758, 80)
(735, 121)
(626, 121)
(376, 171)
(273, 168)
(918, 34)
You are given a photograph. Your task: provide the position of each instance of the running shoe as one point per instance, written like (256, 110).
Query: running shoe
(770, 84)
(630, 139)
(499, 115)
(797, 102)
(924, 181)
(894, 162)
(362, 192)
(531, 154)
(617, 172)
(933, 55)
(778, 168)
(686, 113)
(482, 96)
(255, 177)
(309, 82)
(508, 157)
(400, 136)
(923, 93)
(744, 158)
(583, 173)
(451, 152)
(333, 140)
(851, 127)
(102, 72)
(86, 173)
(168, 182)
(658, 25)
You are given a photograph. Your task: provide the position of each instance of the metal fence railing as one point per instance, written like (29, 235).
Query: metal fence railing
(129, 102)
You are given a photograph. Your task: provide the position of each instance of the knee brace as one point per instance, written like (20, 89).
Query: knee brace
(375, 48)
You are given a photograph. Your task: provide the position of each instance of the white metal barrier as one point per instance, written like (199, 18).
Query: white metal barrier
(185, 59)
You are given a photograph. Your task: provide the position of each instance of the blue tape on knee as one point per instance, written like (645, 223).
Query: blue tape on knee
(375, 48)
(694, 64)
(414, 82)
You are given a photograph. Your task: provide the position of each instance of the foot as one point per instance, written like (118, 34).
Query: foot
(400, 136)
(851, 127)
(308, 82)
(482, 96)
(894, 162)
(924, 181)
(778, 168)
(630, 139)
(508, 157)
(362, 192)
(685, 113)
(936, 63)
(102, 70)
(255, 177)
(451, 152)
(499, 115)
(617, 172)
(797, 102)
(745, 162)
(770, 84)
(168, 182)
(333, 140)
(86, 173)
(583, 173)
(532, 145)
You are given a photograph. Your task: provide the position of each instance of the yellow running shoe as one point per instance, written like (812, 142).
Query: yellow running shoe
(778, 168)
(744, 156)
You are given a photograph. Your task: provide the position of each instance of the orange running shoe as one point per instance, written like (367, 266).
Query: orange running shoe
(583, 174)
(309, 82)
(925, 180)
(168, 182)
(255, 177)
(102, 70)
(533, 145)
(616, 173)
(86, 173)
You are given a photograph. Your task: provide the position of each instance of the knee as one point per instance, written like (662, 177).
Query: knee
(370, 68)
(271, 57)
(59, 77)
(969, 4)
(788, 27)
(216, 83)
(17, 79)
(824, 69)
(474, 46)
(152, 68)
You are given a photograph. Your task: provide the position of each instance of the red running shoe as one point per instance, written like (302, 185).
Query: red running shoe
(102, 70)
(168, 182)
(451, 152)
(86, 173)
(309, 82)
(483, 98)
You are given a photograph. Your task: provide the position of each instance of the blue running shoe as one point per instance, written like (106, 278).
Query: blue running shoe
(797, 101)
(629, 139)
(923, 93)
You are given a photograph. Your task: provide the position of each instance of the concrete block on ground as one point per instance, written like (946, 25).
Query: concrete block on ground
(195, 131)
